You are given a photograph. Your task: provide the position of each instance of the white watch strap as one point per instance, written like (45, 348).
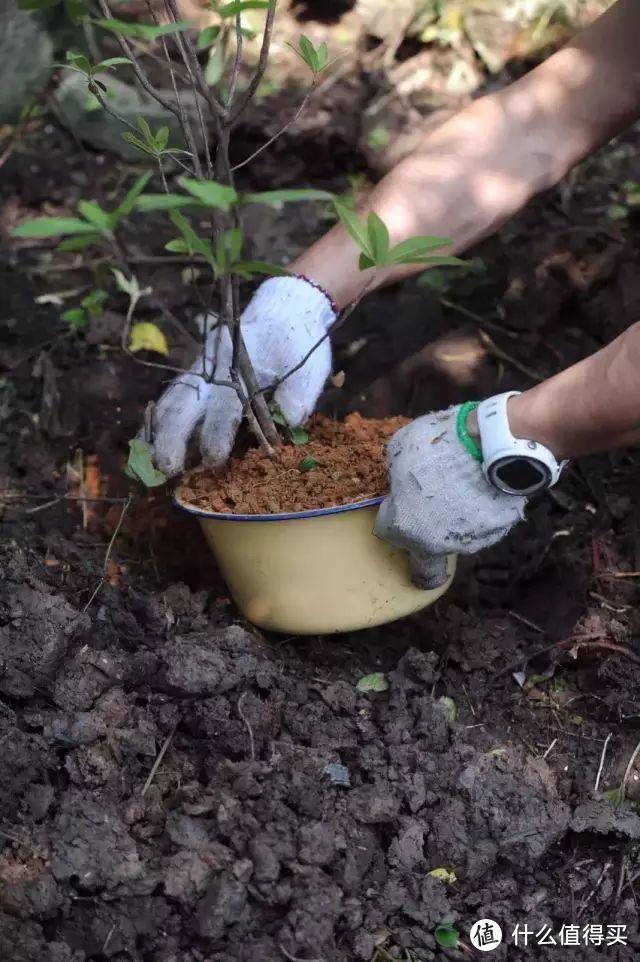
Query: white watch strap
(498, 442)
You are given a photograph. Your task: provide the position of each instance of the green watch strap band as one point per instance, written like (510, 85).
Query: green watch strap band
(469, 443)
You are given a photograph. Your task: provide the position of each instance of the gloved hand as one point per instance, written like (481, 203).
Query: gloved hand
(440, 501)
(281, 323)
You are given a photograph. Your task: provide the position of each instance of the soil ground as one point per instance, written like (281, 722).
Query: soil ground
(176, 786)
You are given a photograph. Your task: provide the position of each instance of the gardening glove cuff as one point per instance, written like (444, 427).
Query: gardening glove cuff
(440, 501)
(285, 320)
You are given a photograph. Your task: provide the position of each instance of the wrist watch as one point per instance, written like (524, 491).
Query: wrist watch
(513, 465)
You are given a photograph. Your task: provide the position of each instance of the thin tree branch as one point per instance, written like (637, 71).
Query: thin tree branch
(282, 130)
(191, 62)
(262, 65)
(184, 120)
(97, 93)
(144, 81)
(339, 321)
(236, 64)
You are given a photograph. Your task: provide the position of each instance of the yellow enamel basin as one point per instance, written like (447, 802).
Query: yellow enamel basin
(313, 572)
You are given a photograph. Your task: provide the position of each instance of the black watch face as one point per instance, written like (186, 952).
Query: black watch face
(520, 475)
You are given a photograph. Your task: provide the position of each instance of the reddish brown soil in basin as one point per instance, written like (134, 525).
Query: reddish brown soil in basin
(350, 467)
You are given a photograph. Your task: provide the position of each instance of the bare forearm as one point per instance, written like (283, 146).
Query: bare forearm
(478, 168)
(593, 406)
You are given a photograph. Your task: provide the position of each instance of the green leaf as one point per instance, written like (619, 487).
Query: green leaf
(93, 212)
(128, 285)
(111, 62)
(308, 53)
(138, 143)
(276, 198)
(207, 37)
(615, 795)
(415, 247)
(375, 682)
(299, 436)
(307, 464)
(210, 192)
(247, 269)
(140, 465)
(195, 243)
(239, 6)
(142, 31)
(447, 937)
(150, 202)
(356, 227)
(215, 64)
(161, 138)
(94, 302)
(617, 212)
(449, 707)
(78, 60)
(79, 242)
(365, 262)
(75, 318)
(378, 239)
(143, 124)
(322, 53)
(177, 246)
(128, 202)
(279, 417)
(148, 337)
(52, 227)
(228, 248)
(445, 875)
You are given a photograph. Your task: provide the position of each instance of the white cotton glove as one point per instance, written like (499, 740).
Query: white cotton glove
(281, 323)
(440, 501)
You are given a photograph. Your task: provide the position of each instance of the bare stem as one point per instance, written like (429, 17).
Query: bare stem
(280, 132)
(236, 64)
(339, 321)
(247, 96)
(144, 81)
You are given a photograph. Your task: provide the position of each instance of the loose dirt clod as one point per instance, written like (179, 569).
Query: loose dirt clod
(350, 467)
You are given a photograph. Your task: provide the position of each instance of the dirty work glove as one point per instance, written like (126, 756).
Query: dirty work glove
(281, 323)
(440, 501)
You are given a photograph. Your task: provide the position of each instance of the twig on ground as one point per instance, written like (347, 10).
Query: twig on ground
(529, 624)
(247, 725)
(602, 758)
(501, 355)
(295, 958)
(64, 497)
(158, 762)
(550, 748)
(605, 870)
(108, 553)
(472, 316)
(580, 641)
(629, 768)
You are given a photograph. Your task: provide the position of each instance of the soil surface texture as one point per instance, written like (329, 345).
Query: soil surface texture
(340, 463)
(176, 786)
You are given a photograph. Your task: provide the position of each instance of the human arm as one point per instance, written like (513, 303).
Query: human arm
(593, 406)
(474, 171)
(440, 500)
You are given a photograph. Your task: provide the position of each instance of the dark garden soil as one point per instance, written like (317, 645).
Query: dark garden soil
(333, 463)
(176, 786)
